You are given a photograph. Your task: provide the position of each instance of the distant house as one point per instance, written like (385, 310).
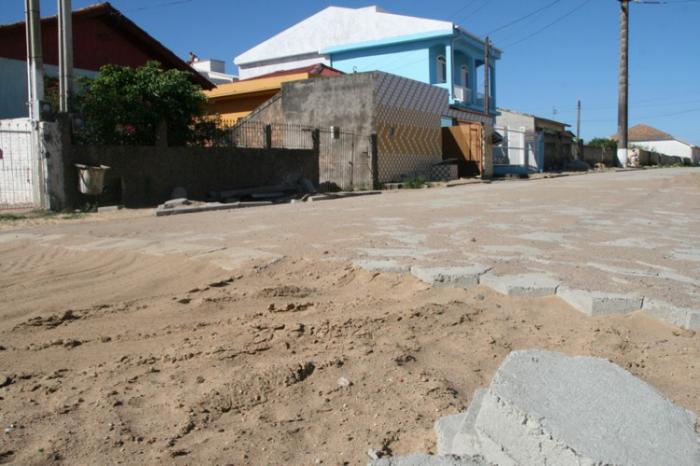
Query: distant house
(236, 100)
(434, 52)
(213, 70)
(101, 35)
(652, 139)
(530, 143)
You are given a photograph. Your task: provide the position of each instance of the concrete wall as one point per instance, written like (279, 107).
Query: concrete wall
(677, 148)
(146, 175)
(515, 121)
(593, 155)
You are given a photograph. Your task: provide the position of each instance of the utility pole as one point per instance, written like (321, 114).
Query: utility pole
(487, 77)
(622, 106)
(579, 145)
(578, 121)
(65, 55)
(35, 64)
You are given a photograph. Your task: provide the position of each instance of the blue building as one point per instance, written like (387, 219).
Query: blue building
(370, 39)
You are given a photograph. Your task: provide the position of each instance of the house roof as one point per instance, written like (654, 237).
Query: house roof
(318, 69)
(107, 13)
(644, 132)
(539, 119)
(270, 82)
(334, 26)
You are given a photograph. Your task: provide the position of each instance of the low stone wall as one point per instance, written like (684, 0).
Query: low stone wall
(141, 176)
(649, 158)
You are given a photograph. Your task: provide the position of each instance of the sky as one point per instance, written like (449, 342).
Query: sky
(566, 51)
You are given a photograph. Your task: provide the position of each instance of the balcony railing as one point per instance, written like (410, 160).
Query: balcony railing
(462, 94)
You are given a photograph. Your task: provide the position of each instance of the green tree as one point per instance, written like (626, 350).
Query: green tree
(125, 105)
(603, 143)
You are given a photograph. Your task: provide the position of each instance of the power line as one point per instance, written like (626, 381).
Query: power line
(649, 117)
(515, 21)
(547, 26)
(158, 5)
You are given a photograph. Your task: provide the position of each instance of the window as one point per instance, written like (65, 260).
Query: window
(464, 75)
(441, 69)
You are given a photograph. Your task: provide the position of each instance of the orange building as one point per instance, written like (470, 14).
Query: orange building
(233, 101)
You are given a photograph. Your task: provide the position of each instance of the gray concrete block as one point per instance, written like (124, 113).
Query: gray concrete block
(384, 266)
(450, 277)
(595, 303)
(550, 408)
(688, 319)
(445, 429)
(528, 284)
(463, 441)
(420, 459)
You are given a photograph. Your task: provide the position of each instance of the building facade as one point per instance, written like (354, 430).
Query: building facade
(434, 52)
(374, 127)
(655, 140)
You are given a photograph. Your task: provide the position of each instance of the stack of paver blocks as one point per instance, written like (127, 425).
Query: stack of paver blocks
(549, 408)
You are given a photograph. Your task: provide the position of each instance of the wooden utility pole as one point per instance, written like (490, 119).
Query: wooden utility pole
(578, 121)
(487, 77)
(65, 54)
(35, 63)
(622, 105)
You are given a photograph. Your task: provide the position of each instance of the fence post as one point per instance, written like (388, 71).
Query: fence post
(316, 138)
(268, 136)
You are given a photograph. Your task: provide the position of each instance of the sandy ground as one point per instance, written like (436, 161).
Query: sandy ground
(249, 338)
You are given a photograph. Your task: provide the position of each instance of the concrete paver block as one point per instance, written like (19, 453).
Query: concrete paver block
(445, 429)
(595, 303)
(527, 284)
(462, 440)
(550, 408)
(688, 319)
(420, 459)
(450, 277)
(384, 266)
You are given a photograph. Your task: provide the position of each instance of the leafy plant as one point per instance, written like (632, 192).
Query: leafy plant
(124, 105)
(603, 143)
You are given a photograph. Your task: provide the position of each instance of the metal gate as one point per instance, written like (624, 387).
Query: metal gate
(336, 160)
(17, 176)
(520, 149)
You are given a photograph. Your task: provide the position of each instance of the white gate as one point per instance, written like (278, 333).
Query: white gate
(520, 149)
(18, 175)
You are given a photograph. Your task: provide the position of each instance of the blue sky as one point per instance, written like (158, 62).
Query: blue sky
(575, 58)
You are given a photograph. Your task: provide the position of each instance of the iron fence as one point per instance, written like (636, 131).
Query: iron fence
(261, 135)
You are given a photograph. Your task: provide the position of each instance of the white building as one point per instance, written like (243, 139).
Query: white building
(213, 70)
(655, 140)
(304, 43)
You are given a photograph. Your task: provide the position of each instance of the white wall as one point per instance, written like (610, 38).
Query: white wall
(671, 147)
(13, 86)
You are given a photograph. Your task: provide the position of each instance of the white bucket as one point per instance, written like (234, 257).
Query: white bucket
(92, 179)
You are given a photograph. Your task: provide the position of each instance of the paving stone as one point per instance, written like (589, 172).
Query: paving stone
(595, 303)
(527, 284)
(420, 459)
(450, 277)
(688, 319)
(550, 408)
(447, 435)
(445, 430)
(384, 266)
